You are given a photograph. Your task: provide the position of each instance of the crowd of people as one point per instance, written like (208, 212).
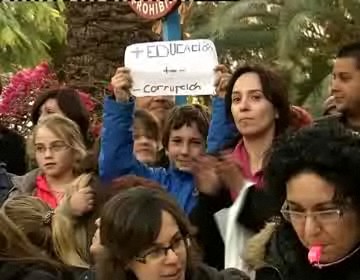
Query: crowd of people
(251, 188)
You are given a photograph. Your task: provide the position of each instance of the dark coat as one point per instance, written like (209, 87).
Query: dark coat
(22, 271)
(277, 254)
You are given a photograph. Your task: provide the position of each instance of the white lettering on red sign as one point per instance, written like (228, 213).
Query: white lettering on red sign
(152, 9)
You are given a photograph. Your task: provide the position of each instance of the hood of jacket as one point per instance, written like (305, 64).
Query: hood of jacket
(276, 250)
(25, 184)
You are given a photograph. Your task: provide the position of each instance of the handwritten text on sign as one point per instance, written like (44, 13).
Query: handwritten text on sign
(172, 67)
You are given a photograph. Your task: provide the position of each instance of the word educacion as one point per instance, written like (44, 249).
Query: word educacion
(174, 89)
(166, 50)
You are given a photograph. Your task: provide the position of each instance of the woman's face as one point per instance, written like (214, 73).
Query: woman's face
(331, 226)
(54, 157)
(166, 259)
(253, 114)
(50, 106)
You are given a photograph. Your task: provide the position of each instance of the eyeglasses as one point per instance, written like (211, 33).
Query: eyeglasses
(323, 217)
(54, 148)
(158, 254)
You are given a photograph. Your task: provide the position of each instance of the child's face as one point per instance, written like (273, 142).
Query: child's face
(54, 157)
(145, 148)
(185, 144)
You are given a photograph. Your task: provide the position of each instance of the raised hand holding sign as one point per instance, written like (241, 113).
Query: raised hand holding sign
(172, 67)
(122, 83)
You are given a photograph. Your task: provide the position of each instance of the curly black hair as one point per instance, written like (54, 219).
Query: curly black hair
(331, 151)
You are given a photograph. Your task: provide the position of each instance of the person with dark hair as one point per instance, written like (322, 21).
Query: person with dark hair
(13, 160)
(345, 86)
(159, 106)
(145, 235)
(317, 185)
(65, 101)
(146, 134)
(13, 151)
(117, 185)
(254, 102)
(184, 139)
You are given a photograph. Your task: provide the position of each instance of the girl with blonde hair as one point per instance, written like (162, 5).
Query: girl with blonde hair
(59, 233)
(58, 148)
(20, 260)
(53, 231)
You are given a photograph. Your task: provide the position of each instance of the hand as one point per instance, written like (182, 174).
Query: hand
(82, 201)
(230, 173)
(223, 76)
(204, 171)
(122, 83)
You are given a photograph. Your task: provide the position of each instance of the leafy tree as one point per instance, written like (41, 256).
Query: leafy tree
(27, 30)
(300, 37)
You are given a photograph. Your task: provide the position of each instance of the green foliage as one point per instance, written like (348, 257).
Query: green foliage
(26, 29)
(300, 37)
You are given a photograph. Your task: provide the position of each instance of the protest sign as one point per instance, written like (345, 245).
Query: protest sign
(172, 67)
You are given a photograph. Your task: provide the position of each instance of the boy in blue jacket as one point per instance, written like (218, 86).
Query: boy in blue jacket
(184, 139)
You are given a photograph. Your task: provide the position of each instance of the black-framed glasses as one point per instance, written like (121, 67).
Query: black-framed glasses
(158, 253)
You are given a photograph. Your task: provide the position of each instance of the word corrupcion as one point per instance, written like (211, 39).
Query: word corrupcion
(172, 67)
(175, 89)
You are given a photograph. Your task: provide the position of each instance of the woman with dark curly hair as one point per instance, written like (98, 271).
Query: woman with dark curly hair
(314, 175)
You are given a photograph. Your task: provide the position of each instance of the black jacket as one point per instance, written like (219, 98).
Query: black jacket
(12, 151)
(208, 235)
(286, 259)
(83, 274)
(22, 271)
(204, 272)
(259, 208)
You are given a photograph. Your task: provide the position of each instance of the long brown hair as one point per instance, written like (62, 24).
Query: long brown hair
(15, 247)
(28, 214)
(130, 223)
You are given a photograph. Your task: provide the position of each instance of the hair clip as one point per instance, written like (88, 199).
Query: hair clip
(48, 217)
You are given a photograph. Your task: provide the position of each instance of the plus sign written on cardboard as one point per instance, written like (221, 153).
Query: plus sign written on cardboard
(137, 52)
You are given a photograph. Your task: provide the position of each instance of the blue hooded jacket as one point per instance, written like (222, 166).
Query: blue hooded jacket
(117, 158)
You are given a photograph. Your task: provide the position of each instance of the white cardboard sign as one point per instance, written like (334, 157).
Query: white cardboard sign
(172, 67)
